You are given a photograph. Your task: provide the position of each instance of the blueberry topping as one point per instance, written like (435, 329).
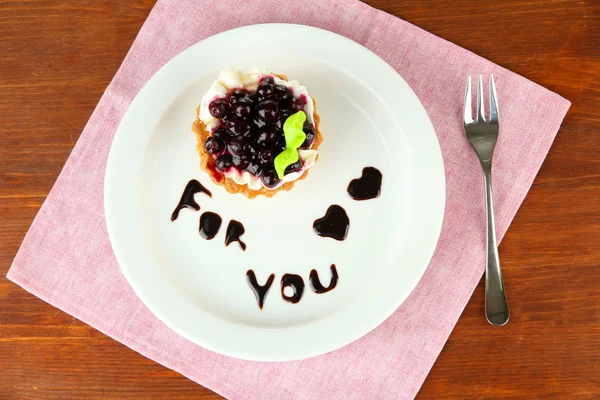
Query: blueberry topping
(295, 167)
(253, 97)
(285, 114)
(240, 127)
(267, 136)
(224, 162)
(243, 107)
(251, 148)
(310, 136)
(236, 145)
(278, 125)
(217, 108)
(241, 160)
(282, 93)
(251, 133)
(214, 145)
(228, 120)
(266, 89)
(280, 142)
(221, 134)
(269, 177)
(267, 110)
(254, 168)
(259, 123)
(266, 156)
(235, 95)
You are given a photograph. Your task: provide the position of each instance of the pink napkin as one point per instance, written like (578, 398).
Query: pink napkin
(66, 258)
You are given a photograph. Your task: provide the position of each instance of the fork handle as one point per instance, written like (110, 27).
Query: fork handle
(496, 306)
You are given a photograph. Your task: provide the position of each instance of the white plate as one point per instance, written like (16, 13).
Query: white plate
(370, 117)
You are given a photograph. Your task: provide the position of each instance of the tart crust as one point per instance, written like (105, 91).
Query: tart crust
(207, 162)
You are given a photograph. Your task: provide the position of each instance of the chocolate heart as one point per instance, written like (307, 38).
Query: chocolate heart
(334, 224)
(368, 186)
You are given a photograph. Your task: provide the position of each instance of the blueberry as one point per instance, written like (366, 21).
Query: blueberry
(254, 168)
(224, 162)
(240, 127)
(241, 160)
(214, 145)
(267, 136)
(285, 114)
(251, 148)
(229, 120)
(217, 108)
(280, 143)
(266, 156)
(278, 125)
(295, 167)
(235, 95)
(253, 97)
(267, 110)
(282, 93)
(243, 107)
(310, 135)
(266, 88)
(221, 134)
(236, 145)
(269, 177)
(259, 123)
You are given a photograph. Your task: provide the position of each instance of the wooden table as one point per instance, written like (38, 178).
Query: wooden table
(57, 57)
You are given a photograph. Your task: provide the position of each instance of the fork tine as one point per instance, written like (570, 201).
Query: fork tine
(480, 107)
(467, 114)
(493, 101)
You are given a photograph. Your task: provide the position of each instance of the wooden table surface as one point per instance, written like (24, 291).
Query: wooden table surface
(57, 57)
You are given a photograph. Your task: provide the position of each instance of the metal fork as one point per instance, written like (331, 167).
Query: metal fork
(482, 135)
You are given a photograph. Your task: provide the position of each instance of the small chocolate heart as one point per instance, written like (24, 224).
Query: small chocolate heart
(368, 186)
(334, 224)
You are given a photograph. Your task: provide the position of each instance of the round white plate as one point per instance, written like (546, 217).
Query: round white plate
(370, 117)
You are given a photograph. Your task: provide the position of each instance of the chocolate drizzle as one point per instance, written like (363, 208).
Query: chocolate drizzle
(260, 291)
(316, 285)
(187, 198)
(368, 186)
(235, 229)
(209, 225)
(297, 283)
(334, 224)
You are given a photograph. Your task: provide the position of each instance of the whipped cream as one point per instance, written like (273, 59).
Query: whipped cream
(234, 78)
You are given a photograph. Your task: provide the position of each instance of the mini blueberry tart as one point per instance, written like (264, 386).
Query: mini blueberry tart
(257, 133)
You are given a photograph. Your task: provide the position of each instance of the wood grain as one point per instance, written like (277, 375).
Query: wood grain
(57, 57)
